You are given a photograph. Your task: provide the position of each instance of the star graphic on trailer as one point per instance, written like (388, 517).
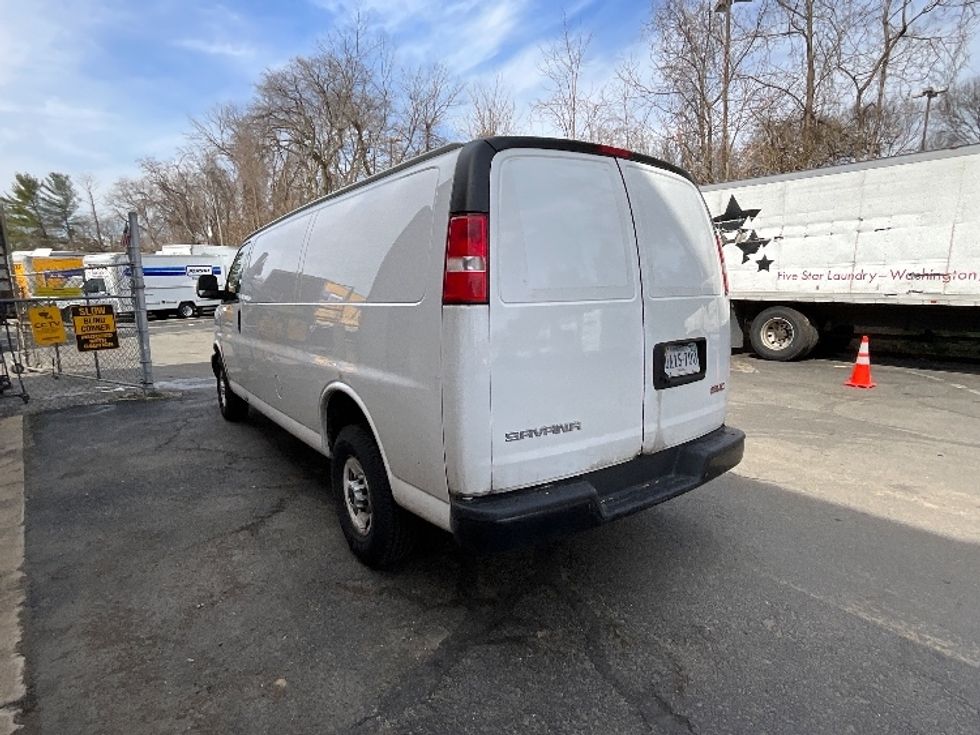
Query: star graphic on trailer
(750, 245)
(764, 263)
(734, 217)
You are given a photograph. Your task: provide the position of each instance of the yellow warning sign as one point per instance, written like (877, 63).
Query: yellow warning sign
(46, 325)
(95, 327)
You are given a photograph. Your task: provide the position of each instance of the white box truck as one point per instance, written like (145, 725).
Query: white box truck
(512, 339)
(170, 276)
(889, 243)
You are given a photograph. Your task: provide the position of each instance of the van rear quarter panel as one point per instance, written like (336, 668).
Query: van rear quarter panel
(367, 315)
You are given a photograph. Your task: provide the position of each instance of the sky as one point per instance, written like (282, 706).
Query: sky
(92, 86)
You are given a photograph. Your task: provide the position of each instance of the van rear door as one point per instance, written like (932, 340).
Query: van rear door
(685, 311)
(566, 332)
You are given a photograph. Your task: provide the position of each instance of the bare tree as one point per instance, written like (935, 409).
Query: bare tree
(492, 109)
(892, 47)
(318, 123)
(88, 186)
(706, 97)
(430, 93)
(847, 69)
(959, 114)
(331, 113)
(574, 109)
(133, 195)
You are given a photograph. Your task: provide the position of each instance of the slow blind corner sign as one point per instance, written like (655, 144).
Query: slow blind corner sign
(731, 225)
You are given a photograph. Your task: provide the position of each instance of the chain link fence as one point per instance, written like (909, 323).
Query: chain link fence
(85, 340)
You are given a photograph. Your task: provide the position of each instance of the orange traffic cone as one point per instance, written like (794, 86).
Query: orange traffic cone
(861, 375)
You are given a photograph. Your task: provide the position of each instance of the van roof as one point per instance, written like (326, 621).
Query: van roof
(471, 184)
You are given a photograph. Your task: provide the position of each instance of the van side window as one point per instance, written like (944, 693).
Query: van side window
(237, 265)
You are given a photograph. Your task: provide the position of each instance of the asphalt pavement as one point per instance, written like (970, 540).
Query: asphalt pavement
(188, 575)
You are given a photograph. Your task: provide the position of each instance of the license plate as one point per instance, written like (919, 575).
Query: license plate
(682, 359)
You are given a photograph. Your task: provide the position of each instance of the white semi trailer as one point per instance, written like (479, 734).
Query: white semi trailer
(890, 243)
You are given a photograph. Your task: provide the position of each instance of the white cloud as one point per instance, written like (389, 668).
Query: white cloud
(69, 104)
(216, 48)
(390, 14)
(483, 34)
(463, 34)
(53, 110)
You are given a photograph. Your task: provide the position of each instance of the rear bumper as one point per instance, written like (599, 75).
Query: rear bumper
(531, 515)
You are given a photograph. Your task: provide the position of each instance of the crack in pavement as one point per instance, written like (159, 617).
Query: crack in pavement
(251, 526)
(657, 715)
(416, 685)
(261, 519)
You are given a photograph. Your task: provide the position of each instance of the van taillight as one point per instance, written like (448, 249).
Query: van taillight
(467, 252)
(721, 258)
(611, 150)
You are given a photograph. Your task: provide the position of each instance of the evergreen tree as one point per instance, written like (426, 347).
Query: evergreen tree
(59, 207)
(26, 225)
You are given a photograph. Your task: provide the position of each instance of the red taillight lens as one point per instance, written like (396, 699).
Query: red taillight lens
(611, 150)
(467, 253)
(721, 258)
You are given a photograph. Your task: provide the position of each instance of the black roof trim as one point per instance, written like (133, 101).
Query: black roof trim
(471, 183)
(358, 184)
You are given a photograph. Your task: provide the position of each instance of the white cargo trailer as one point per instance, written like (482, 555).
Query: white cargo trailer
(890, 243)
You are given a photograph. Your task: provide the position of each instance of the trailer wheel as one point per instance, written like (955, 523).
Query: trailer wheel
(378, 530)
(781, 333)
(186, 310)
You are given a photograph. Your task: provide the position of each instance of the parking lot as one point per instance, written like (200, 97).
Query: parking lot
(185, 574)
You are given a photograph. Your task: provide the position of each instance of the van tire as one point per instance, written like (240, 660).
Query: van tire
(392, 531)
(186, 310)
(232, 406)
(781, 333)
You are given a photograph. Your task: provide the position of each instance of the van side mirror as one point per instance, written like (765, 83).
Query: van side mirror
(207, 288)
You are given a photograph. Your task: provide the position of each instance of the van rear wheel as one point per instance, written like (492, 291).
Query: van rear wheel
(232, 406)
(782, 333)
(378, 531)
(186, 310)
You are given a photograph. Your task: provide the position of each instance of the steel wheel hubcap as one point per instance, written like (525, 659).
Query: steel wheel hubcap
(221, 390)
(356, 496)
(778, 333)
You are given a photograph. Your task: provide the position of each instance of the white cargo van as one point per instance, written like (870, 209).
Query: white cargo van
(512, 339)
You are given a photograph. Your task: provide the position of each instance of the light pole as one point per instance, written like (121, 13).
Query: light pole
(928, 93)
(725, 6)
